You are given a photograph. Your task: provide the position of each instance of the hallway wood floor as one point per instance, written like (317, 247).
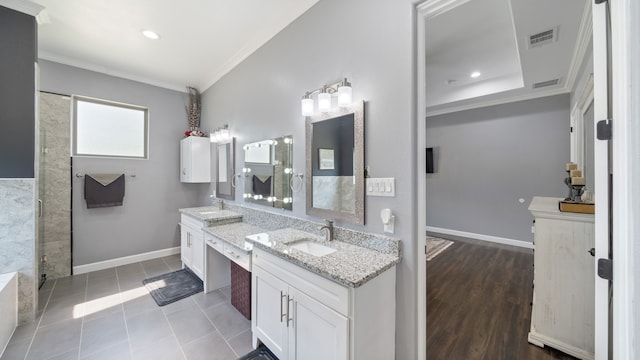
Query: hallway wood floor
(479, 304)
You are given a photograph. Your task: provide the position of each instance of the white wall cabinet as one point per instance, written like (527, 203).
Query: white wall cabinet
(195, 159)
(563, 309)
(300, 315)
(192, 245)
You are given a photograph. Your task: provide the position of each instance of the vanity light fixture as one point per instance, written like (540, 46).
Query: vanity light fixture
(220, 135)
(342, 89)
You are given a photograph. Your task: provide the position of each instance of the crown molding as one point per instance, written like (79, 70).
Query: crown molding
(584, 39)
(432, 8)
(99, 69)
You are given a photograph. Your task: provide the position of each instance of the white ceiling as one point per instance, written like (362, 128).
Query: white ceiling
(491, 36)
(200, 40)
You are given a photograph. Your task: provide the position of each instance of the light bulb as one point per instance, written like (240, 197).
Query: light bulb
(307, 107)
(324, 102)
(288, 170)
(287, 140)
(223, 134)
(344, 94)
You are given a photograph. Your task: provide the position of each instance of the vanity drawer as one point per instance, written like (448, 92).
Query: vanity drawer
(238, 256)
(187, 220)
(214, 242)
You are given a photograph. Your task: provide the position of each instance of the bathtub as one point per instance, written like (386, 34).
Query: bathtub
(8, 308)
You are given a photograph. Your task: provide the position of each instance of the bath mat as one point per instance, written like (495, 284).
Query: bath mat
(261, 353)
(173, 286)
(436, 246)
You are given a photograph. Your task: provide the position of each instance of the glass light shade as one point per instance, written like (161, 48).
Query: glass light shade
(223, 134)
(324, 102)
(344, 95)
(307, 107)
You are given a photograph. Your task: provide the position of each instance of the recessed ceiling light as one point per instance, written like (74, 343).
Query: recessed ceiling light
(475, 74)
(150, 34)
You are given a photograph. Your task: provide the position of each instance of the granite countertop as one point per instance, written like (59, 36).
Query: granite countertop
(210, 213)
(235, 234)
(350, 265)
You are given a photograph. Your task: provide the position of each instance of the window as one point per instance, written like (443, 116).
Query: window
(104, 128)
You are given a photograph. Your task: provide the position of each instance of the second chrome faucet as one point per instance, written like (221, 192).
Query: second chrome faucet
(330, 230)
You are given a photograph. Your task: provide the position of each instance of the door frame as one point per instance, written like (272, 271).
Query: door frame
(625, 18)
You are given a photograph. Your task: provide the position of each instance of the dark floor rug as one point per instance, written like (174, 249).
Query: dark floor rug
(171, 287)
(261, 353)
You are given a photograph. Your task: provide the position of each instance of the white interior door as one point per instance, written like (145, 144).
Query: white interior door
(601, 178)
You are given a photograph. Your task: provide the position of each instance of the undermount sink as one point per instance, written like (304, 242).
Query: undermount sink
(311, 247)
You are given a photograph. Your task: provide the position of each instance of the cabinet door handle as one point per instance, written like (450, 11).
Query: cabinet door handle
(282, 314)
(289, 318)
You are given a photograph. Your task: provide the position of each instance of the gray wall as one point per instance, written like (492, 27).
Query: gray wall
(487, 159)
(371, 43)
(148, 219)
(18, 41)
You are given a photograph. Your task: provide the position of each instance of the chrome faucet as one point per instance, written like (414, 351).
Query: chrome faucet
(329, 227)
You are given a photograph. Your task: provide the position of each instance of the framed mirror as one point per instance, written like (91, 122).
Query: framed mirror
(225, 168)
(267, 172)
(335, 164)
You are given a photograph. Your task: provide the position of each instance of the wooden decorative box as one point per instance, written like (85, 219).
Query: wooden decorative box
(577, 207)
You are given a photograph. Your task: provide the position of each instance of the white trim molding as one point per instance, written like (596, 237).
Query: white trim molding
(482, 237)
(107, 264)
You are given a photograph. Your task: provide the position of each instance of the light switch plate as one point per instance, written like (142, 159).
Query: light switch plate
(381, 187)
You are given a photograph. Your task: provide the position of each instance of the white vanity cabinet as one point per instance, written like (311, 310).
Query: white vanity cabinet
(298, 314)
(563, 308)
(192, 244)
(195, 159)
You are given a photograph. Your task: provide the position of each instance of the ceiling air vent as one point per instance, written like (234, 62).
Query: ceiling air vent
(546, 83)
(542, 38)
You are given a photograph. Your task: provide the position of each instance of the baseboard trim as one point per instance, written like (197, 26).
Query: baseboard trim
(107, 264)
(495, 239)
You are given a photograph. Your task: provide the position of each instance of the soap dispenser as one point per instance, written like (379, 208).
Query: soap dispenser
(388, 220)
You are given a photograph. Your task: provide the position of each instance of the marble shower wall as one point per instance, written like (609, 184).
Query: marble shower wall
(55, 185)
(18, 240)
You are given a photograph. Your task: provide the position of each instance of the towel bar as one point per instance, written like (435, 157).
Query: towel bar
(78, 175)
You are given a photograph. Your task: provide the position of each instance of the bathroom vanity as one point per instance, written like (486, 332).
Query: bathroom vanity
(314, 299)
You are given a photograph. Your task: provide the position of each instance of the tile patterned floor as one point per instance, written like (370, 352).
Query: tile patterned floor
(109, 314)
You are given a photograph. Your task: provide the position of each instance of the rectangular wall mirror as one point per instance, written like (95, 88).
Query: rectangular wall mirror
(225, 166)
(267, 172)
(335, 164)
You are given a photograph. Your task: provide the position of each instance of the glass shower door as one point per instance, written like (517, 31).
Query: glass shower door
(54, 221)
